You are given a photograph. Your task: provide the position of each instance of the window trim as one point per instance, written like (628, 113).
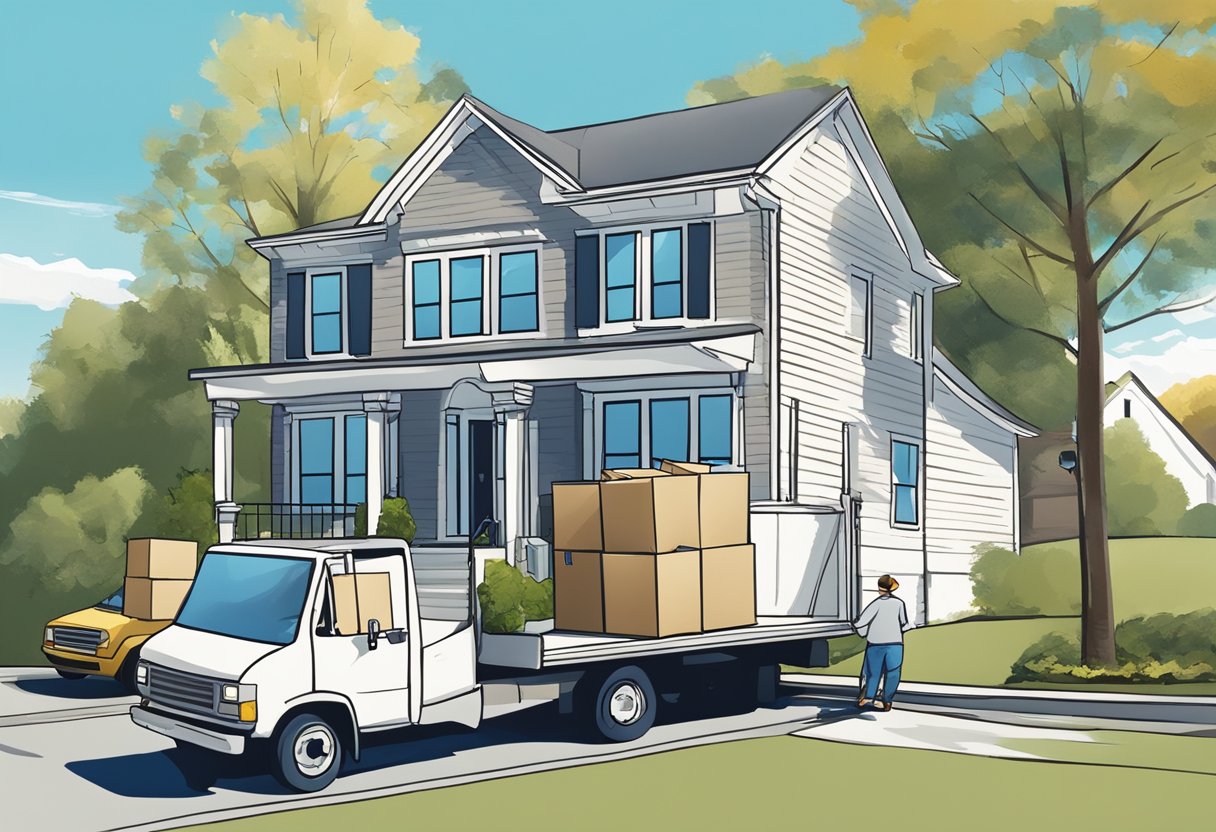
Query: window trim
(867, 340)
(491, 292)
(920, 481)
(644, 397)
(337, 453)
(535, 293)
(644, 275)
(343, 312)
(603, 443)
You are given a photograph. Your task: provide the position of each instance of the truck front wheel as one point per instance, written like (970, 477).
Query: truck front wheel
(308, 754)
(624, 706)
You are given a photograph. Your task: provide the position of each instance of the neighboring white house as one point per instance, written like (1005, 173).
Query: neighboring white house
(1184, 458)
(735, 284)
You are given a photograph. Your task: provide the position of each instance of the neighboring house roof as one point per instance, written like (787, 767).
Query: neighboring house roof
(1114, 388)
(968, 391)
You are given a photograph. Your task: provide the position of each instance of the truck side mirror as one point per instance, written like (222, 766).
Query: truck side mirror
(373, 633)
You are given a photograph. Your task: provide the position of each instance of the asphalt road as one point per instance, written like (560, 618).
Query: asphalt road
(71, 759)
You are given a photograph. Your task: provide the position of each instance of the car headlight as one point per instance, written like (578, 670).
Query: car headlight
(105, 640)
(141, 673)
(230, 693)
(49, 636)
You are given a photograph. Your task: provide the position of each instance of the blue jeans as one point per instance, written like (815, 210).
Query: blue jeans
(882, 661)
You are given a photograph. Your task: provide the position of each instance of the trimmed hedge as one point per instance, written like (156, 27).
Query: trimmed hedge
(509, 598)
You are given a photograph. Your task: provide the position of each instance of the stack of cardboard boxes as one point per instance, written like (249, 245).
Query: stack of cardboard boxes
(648, 552)
(159, 574)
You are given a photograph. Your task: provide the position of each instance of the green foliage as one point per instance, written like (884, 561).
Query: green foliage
(1042, 580)
(1160, 648)
(395, 520)
(1193, 403)
(509, 598)
(186, 511)
(1199, 521)
(1141, 497)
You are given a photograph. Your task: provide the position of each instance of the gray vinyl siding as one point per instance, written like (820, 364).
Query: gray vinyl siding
(278, 451)
(558, 413)
(831, 228)
(418, 445)
(278, 311)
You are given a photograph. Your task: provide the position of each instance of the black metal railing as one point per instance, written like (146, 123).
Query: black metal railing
(301, 521)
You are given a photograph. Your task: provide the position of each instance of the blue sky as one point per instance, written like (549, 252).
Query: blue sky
(82, 84)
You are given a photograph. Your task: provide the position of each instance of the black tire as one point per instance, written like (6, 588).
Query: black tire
(68, 674)
(198, 766)
(625, 704)
(307, 753)
(126, 673)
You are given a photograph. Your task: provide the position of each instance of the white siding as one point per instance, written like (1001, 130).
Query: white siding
(970, 496)
(832, 227)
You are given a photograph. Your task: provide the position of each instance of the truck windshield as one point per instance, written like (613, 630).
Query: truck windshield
(252, 597)
(111, 602)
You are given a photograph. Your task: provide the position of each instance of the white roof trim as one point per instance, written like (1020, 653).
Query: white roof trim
(982, 404)
(330, 236)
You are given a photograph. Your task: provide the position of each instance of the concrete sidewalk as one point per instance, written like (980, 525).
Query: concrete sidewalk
(30, 695)
(1193, 715)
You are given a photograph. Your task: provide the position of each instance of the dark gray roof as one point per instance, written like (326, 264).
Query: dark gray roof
(344, 222)
(717, 137)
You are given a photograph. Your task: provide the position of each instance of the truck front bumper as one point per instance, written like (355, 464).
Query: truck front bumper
(178, 729)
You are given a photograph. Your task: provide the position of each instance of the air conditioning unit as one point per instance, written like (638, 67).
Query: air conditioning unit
(537, 556)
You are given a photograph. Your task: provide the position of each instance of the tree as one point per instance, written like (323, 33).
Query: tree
(1142, 497)
(1076, 146)
(1193, 403)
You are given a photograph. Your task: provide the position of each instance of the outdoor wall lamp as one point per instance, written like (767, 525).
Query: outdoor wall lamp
(1068, 460)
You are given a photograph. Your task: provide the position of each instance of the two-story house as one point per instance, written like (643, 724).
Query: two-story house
(737, 284)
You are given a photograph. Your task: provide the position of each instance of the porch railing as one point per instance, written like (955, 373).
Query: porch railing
(302, 521)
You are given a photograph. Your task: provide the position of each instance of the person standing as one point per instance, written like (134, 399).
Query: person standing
(882, 623)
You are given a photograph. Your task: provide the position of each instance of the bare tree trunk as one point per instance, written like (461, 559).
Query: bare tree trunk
(1097, 609)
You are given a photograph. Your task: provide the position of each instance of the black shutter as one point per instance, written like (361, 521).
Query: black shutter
(359, 306)
(587, 281)
(698, 270)
(295, 315)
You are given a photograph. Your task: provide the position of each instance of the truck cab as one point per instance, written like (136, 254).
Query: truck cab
(271, 649)
(98, 641)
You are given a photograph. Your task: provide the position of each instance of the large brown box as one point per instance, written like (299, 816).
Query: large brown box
(728, 587)
(578, 591)
(153, 599)
(153, 557)
(358, 599)
(722, 503)
(576, 517)
(652, 595)
(650, 513)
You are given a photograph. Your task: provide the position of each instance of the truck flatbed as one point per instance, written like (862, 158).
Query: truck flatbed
(549, 648)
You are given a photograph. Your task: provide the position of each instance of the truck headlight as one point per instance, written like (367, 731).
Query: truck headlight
(141, 673)
(48, 637)
(230, 693)
(240, 701)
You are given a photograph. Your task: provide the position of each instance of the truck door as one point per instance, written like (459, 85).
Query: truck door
(375, 680)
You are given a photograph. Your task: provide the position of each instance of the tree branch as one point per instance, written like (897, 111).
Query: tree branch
(1176, 306)
(1047, 199)
(1105, 303)
(1121, 240)
(1059, 339)
(1046, 252)
(1127, 171)
(1131, 231)
(1155, 48)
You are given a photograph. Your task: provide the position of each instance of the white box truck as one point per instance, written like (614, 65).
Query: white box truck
(256, 660)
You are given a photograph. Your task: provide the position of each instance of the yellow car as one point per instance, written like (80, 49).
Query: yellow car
(98, 641)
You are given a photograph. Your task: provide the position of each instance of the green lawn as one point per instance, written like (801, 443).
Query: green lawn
(764, 783)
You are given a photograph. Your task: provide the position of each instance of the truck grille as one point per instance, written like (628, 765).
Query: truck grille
(187, 691)
(80, 639)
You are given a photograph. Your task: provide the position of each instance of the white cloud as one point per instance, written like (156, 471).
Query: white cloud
(53, 285)
(1196, 315)
(1183, 361)
(1166, 336)
(1125, 348)
(83, 209)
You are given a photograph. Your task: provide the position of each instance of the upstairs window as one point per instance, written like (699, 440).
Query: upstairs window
(426, 299)
(667, 273)
(325, 313)
(905, 483)
(860, 298)
(467, 294)
(916, 326)
(517, 296)
(329, 312)
(621, 271)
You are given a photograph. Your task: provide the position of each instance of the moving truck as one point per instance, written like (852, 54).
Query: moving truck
(300, 648)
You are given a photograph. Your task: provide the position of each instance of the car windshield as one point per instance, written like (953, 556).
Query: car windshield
(112, 602)
(253, 597)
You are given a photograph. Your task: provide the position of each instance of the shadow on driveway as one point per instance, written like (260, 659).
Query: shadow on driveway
(90, 687)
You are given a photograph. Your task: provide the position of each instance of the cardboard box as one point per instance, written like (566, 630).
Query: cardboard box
(153, 599)
(728, 587)
(578, 591)
(650, 514)
(630, 473)
(723, 503)
(576, 517)
(151, 557)
(358, 599)
(652, 595)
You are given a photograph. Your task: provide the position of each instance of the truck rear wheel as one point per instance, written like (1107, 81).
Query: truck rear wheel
(68, 674)
(624, 705)
(308, 754)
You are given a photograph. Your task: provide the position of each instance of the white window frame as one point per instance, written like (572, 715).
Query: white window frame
(343, 311)
(920, 480)
(339, 452)
(449, 523)
(868, 340)
(916, 327)
(644, 278)
(644, 398)
(491, 290)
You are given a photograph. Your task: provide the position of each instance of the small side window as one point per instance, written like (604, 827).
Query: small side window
(859, 311)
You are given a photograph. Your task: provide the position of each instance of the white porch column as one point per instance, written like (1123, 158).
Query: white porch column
(514, 481)
(376, 406)
(223, 414)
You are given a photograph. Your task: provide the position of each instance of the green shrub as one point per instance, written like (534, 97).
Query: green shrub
(395, 520)
(509, 598)
(1043, 580)
(1142, 498)
(1160, 648)
(1199, 521)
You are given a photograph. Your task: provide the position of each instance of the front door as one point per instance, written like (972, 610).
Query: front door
(481, 473)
